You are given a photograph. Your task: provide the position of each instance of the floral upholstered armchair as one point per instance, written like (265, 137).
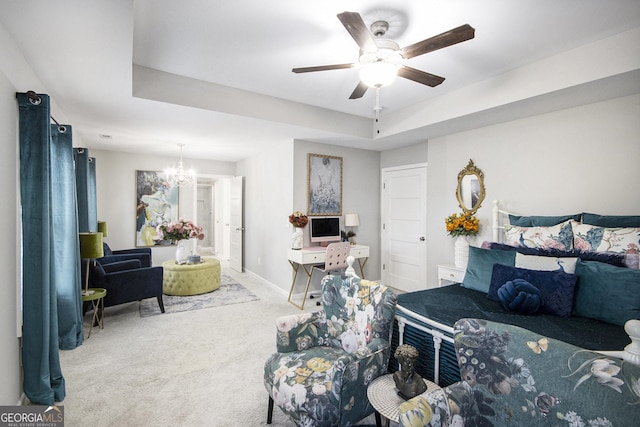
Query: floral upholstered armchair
(326, 359)
(512, 376)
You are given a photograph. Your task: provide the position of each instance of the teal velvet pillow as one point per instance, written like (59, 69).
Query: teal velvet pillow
(606, 292)
(540, 221)
(611, 221)
(480, 267)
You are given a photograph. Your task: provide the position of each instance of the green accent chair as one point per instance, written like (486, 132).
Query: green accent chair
(326, 359)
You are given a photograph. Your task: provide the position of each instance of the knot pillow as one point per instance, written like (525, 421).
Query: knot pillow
(520, 296)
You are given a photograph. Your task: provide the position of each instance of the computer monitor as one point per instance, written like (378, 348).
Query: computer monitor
(325, 229)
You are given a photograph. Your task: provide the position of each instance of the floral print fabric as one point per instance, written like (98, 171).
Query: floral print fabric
(326, 359)
(512, 376)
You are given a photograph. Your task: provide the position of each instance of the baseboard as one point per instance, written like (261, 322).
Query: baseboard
(23, 400)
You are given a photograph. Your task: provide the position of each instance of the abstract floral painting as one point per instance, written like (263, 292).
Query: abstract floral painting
(156, 203)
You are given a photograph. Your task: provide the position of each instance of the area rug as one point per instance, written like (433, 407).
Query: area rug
(230, 292)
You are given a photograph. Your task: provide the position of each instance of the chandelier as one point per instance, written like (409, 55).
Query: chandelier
(179, 176)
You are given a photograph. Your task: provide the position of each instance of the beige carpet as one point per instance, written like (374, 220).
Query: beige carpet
(195, 368)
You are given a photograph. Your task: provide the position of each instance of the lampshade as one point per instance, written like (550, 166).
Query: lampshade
(351, 220)
(91, 245)
(103, 228)
(378, 74)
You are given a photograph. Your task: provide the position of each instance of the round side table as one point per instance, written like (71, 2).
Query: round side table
(384, 398)
(96, 296)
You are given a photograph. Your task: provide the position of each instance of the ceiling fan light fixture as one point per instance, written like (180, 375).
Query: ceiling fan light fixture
(378, 74)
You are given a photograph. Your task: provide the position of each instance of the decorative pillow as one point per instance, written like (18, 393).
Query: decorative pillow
(632, 261)
(556, 287)
(557, 237)
(520, 296)
(541, 221)
(611, 221)
(546, 263)
(608, 257)
(607, 293)
(480, 267)
(599, 239)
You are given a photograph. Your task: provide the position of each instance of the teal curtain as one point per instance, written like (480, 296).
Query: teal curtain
(66, 252)
(86, 190)
(92, 207)
(50, 252)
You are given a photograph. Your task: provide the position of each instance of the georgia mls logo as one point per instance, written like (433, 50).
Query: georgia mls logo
(32, 416)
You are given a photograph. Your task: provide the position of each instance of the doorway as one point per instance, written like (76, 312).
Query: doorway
(205, 217)
(404, 227)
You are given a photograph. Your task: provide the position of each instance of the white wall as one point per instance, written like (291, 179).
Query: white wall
(268, 199)
(276, 185)
(360, 194)
(116, 193)
(10, 369)
(583, 159)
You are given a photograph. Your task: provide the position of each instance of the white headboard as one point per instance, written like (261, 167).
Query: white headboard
(500, 219)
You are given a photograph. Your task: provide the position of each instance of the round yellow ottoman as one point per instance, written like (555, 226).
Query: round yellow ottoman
(190, 279)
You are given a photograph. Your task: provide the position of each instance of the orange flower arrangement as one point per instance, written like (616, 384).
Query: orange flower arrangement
(463, 224)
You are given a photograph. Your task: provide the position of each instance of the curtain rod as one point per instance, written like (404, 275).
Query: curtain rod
(35, 99)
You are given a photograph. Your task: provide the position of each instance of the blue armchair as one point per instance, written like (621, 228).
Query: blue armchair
(111, 256)
(326, 359)
(514, 377)
(127, 281)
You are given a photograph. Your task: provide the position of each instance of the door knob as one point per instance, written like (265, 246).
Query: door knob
(422, 239)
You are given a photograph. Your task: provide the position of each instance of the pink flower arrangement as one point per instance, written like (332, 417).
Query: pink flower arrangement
(180, 230)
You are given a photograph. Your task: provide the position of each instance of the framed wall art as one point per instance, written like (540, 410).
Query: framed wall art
(156, 203)
(324, 182)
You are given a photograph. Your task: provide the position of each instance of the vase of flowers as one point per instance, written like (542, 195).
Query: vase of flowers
(179, 232)
(299, 221)
(461, 226)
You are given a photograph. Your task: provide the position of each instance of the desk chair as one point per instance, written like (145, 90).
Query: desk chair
(335, 259)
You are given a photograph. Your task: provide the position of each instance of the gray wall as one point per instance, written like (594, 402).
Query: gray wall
(116, 193)
(276, 185)
(583, 159)
(10, 369)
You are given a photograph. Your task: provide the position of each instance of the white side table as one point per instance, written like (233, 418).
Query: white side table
(384, 398)
(450, 274)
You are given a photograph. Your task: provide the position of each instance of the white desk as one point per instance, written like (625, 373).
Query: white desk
(308, 257)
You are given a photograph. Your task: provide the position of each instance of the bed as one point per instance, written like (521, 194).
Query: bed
(585, 269)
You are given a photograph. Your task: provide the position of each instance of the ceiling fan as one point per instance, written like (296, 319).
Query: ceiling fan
(378, 54)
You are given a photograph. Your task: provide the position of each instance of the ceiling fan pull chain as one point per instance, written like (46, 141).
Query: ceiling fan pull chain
(377, 110)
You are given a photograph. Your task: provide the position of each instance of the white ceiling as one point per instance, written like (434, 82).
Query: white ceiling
(216, 75)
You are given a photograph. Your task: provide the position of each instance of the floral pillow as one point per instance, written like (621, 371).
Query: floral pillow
(600, 239)
(555, 237)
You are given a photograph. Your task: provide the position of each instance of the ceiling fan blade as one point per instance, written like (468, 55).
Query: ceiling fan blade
(420, 76)
(322, 68)
(359, 91)
(354, 24)
(448, 38)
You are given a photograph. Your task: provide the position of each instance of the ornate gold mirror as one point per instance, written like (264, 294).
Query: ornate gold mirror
(470, 191)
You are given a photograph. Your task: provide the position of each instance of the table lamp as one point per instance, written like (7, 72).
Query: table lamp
(103, 228)
(90, 248)
(351, 220)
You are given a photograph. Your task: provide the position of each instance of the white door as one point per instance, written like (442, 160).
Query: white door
(237, 228)
(404, 227)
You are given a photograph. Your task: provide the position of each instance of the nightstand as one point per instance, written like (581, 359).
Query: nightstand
(450, 274)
